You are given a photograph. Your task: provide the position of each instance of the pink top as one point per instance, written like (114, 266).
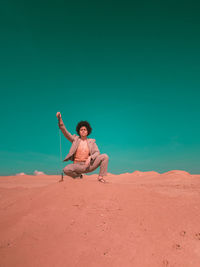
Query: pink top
(82, 152)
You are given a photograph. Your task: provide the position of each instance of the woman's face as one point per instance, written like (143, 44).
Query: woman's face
(83, 131)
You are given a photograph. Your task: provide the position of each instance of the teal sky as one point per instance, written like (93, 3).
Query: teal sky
(130, 68)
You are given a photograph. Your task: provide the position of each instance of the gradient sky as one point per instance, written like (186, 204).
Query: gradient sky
(130, 68)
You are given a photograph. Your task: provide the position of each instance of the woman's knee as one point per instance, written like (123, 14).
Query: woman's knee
(105, 156)
(67, 169)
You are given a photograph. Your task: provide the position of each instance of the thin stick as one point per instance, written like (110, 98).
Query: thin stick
(61, 180)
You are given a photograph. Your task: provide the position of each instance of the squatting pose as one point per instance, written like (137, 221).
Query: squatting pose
(84, 152)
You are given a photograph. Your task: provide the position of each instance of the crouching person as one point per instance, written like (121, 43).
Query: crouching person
(84, 152)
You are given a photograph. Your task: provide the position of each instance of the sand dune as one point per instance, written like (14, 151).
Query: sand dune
(176, 172)
(140, 219)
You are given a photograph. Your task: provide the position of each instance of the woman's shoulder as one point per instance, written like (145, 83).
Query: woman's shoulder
(92, 140)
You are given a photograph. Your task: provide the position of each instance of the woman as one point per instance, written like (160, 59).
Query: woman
(84, 152)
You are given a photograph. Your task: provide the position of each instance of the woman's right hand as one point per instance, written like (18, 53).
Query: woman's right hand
(58, 115)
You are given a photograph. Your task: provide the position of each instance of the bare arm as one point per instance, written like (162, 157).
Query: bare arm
(61, 125)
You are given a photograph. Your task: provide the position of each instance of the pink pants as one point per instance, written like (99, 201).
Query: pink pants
(76, 169)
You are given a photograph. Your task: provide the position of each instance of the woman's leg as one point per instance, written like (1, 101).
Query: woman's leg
(102, 161)
(74, 170)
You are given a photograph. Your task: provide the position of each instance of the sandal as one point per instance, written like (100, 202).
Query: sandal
(102, 180)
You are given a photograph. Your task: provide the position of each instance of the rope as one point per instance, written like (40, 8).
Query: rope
(60, 153)
(60, 149)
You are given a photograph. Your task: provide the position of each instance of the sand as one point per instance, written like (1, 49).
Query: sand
(137, 219)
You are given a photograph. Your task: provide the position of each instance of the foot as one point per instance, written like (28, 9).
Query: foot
(100, 179)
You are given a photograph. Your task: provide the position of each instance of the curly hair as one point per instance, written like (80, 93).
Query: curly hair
(86, 124)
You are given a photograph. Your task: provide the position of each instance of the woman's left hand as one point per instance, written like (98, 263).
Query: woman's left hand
(87, 162)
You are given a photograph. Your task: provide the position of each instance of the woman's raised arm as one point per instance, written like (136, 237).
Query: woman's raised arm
(61, 125)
